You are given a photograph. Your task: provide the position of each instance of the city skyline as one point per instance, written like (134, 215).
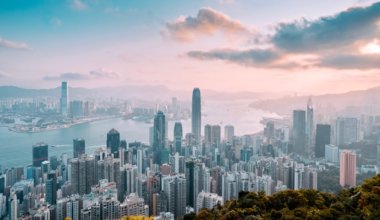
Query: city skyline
(212, 44)
(201, 109)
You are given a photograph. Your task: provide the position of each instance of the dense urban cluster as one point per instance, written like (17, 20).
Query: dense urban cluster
(170, 179)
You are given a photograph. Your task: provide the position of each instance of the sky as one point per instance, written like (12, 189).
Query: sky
(277, 46)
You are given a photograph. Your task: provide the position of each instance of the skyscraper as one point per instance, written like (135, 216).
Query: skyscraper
(208, 135)
(83, 174)
(51, 188)
(158, 137)
(113, 141)
(347, 168)
(216, 135)
(298, 133)
(322, 138)
(196, 115)
(64, 99)
(309, 126)
(178, 137)
(79, 147)
(229, 133)
(346, 131)
(40, 153)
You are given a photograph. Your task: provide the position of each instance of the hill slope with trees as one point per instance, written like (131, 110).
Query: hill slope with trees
(362, 202)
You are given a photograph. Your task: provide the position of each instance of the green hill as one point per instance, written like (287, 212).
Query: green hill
(362, 202)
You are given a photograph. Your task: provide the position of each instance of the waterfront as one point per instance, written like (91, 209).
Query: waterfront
(16, 148)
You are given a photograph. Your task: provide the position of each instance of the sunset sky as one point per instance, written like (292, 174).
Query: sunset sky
(303, 46)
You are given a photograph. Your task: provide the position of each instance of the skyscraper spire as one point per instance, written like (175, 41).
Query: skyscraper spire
(309, 127)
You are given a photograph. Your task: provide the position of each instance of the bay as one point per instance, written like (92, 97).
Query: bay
(16, 148)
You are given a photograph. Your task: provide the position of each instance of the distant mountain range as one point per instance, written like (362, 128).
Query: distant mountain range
(363, 99)
(144, 92)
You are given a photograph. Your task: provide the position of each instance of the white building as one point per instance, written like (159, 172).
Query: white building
(332, 153)
(208, 200)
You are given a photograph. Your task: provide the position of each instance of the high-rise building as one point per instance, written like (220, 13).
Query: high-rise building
(347, 168)
(299, 132)
(51, 188)
(208, 135)
(196, 115)
(322, 138)
(332, 153)
(113, 142)
(216, 135)
(40, 153)
(79, 147)
(133, 205)
(158, 137)
(64, 101)
(76, 109)
(346, 131)
(229, 133)
(175, 189)
(83, 174)
(190, 188)
(208, 200)
(309, 127)
(178, 135)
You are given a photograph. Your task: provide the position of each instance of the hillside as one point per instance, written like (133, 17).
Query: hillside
(332, 102)
(149, 92)
(362, 202)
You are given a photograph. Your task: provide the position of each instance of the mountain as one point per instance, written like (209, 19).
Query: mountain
(362, 202)
(144, 92)
(362, 99)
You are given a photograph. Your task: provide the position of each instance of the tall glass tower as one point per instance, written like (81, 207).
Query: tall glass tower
(178, 137)
(158, 137)
(196, 115)
(64, 99)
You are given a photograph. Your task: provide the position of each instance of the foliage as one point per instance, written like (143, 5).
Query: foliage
(362, 202)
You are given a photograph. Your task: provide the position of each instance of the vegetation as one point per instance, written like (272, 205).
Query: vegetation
(362, 202)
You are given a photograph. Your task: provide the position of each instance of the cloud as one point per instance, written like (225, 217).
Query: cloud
(328, 33)
(207, 22)
(351, 61)
(245, 57)
(104, 73)
(13, 44)
(67, 76)
(78, 5)
(101, 73)
(346, 40)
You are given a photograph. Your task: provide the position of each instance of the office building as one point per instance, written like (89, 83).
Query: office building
(78, 147)
(113, 142)
(322, 138)
(159, 137)
(51, 189)
(332, 153)
(309, 127)
(196, 115)
(346, 131)
(178, 135)
(40, 153)
(64, 100)
(299, 132)
(76, 109)
(229, 133)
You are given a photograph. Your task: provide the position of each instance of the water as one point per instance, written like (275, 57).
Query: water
(16, 148)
